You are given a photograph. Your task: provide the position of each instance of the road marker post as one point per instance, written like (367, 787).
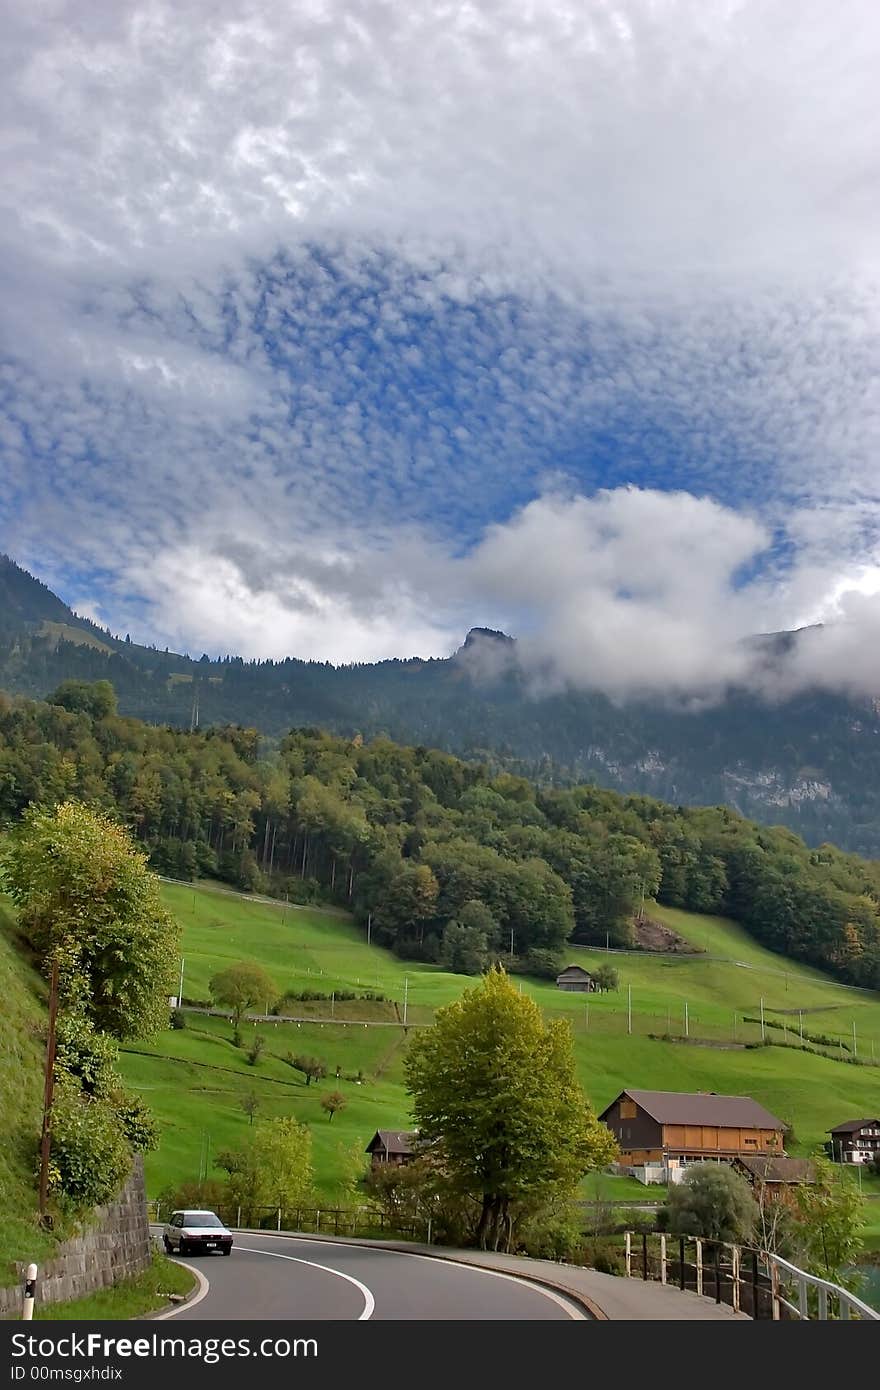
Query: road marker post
(30, 1293)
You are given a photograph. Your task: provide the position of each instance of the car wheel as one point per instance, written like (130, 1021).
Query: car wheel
(228, 1251)
(167, 1243)
(182, 1247)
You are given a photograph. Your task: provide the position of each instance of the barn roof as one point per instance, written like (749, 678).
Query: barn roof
(853, 1126)
(771, 1168)
(701, 1108)
(574, 970)
(393, 1141)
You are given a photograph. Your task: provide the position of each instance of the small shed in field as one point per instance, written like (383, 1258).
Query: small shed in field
(391, 1146)
(575, 979)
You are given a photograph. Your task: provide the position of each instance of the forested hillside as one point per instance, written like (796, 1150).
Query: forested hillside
(812, 763)
(449, 860)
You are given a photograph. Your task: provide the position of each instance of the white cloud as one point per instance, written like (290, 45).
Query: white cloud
(301, 299)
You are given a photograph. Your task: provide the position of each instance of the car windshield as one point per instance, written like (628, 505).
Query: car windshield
(202, 1218)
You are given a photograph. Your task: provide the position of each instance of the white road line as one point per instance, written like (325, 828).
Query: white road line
(204, 1289)
(570, 1308)
(369, 1300)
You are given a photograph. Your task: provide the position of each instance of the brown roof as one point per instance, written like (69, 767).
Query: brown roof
(773, 1169)
(574, 970)
(853, 1126)
(393, 1141)
(698, 1108)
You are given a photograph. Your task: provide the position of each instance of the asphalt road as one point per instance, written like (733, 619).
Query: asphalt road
(279, 1277)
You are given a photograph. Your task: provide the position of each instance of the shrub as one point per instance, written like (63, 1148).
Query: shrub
(256, 1049)
(178, 1018)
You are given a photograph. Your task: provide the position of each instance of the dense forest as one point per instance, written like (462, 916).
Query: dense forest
(811, 763)
(451, 861)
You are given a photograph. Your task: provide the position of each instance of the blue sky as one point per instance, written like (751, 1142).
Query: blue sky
(333, 329)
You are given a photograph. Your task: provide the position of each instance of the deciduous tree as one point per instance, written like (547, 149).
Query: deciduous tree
(495, 1086)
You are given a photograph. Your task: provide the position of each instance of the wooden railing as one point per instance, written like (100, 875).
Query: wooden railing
(748, 1280)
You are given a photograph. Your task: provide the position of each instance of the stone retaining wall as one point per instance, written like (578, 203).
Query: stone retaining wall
(115, 1245)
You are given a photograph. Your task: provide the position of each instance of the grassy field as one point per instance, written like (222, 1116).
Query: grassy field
(195, 1078)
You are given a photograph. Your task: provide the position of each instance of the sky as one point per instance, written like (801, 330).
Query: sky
(335, 328)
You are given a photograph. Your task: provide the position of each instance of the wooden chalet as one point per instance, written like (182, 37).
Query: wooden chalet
(855, 1141)
(575, 979)
(392, 1146)
(671, 1129)
(772, 1176)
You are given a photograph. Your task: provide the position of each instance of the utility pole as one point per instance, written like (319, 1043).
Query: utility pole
(801, 1023)
(686, 1021)
(405, 992)
(369, 926)
(606, 941)
(180, 984)
(855, 1045)
(511, 943)
(49, 1088)
(587, 1017)
(763, 1035)
(629, 1008)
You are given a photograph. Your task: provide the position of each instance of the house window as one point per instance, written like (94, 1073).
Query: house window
(750, 1143)
(628, 1110)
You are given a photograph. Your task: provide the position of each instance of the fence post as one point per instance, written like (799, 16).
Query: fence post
(662, 1258)
(682, 1278)
(429, 1231)
(803, 1306)
(278, 1226)
(823, 1303)
(756, 1287)
(238, 1217)
(699, 1245)
(734, 1264)
(317, 1221)
(774, 1290)
(30, 1293)
(629, 1254)
(644, 1255)
(336, 1224)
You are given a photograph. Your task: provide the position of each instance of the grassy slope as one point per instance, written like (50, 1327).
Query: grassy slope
(305, 949)
(21, 1095)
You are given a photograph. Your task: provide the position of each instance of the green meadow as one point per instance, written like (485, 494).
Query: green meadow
(195, 1078)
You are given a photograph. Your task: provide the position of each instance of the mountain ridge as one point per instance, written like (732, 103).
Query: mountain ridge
(811, 762)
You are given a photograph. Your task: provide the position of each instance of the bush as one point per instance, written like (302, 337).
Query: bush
(715, 1202)
(255, 1051)
(603, 1256)
(90, 1155)
(178, 1018)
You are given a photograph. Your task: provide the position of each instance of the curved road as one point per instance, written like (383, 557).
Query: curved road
(271, 1277)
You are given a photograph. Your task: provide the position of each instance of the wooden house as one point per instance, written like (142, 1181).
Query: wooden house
(773, 1177)
(391, 1146)
(855, 1141)
(575, 979)
(667, 1130)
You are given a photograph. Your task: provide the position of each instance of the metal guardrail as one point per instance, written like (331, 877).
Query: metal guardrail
(750, 1281)
(338, 1221)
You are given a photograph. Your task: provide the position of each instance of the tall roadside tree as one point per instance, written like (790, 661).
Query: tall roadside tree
(494, 1088)
(87, 902)
(86, 898)
(242, 986)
